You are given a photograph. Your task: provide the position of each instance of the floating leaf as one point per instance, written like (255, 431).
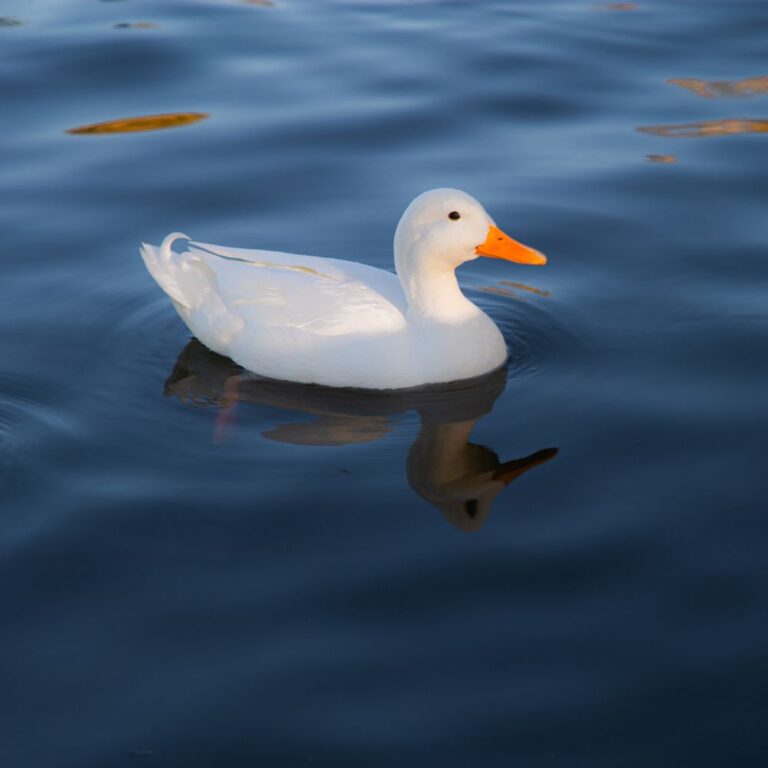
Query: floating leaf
(711, 89)
(707, 128)
(524, 287)
(667, 159)
(144, 123)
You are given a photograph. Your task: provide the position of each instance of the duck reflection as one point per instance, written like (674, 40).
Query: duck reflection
(443, 467)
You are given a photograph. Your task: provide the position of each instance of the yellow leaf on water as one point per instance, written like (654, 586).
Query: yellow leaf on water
(143, 123)
(667, 159)
(707, 128)
(710, 89)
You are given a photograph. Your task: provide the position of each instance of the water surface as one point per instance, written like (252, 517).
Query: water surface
(563, 565)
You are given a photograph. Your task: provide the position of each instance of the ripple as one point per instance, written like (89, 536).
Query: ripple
(532, 324)
(23, 417)
(147, 334)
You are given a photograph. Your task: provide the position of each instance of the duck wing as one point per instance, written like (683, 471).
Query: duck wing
(223, 292)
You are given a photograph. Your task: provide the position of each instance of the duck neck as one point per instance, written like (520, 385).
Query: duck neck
(430, 286)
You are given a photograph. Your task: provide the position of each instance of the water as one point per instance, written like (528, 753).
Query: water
(201, 570)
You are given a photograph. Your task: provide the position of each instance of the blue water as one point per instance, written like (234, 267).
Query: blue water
(199, 569)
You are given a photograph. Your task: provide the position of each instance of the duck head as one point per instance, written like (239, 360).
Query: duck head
(442, 229)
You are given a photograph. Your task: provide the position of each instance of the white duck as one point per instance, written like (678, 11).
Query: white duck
(341, 323)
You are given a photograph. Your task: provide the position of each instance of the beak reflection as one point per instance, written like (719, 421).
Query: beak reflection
(443, 467)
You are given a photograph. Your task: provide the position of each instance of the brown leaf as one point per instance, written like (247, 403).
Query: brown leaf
(707, 128)
(711, 89)
(143, 123)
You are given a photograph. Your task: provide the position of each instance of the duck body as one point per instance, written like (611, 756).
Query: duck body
(343, 323)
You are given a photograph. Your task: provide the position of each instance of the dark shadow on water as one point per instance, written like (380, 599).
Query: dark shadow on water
(460, 478)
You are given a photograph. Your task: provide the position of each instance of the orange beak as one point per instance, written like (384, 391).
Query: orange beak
(497, 245)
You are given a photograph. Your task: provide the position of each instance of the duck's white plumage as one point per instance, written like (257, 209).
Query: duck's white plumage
(343, 323)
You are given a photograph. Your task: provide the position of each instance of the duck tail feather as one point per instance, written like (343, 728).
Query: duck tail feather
(164, 269)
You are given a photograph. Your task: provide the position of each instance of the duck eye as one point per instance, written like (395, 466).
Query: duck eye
(454, 215)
